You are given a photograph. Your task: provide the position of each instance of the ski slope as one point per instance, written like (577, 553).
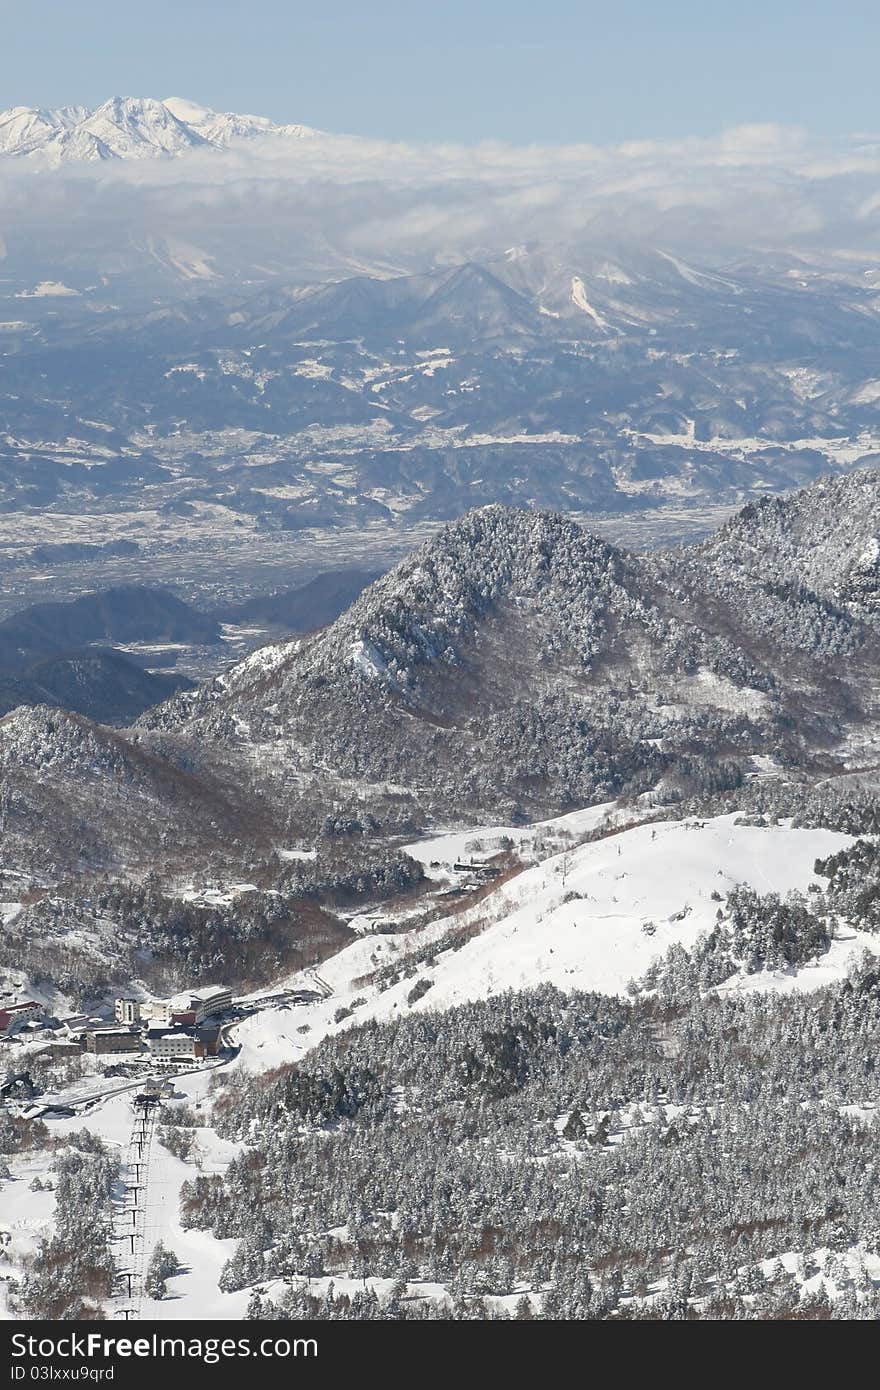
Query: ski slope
(591, 917)
(578, 920)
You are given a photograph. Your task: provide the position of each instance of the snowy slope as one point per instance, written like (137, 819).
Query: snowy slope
(661, 876)
(480, 843)
(25, 129)
(656, 875)
(224, 127)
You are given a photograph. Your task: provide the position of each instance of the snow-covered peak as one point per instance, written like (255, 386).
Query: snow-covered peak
(136, 126)
(416, 617)
(130, 128)
(223, 127)
(190, 112)
(27, 128)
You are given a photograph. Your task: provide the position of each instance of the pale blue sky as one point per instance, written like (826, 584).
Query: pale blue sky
(463, 70)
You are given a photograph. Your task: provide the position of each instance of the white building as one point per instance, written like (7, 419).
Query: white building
(128, 1011)
(184, 1010)
(188, 1010)
(174, 1045)
(213, 999)
(156, 1011)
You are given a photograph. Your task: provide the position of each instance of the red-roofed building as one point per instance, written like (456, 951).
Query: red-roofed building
(14, 1016)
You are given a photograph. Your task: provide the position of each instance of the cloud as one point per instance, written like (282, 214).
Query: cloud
(307, 208)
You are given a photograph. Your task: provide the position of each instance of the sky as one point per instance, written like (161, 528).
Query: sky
(561, 71)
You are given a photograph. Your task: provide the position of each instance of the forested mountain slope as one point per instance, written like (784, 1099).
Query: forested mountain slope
(515, 661)
(513, 666)
(76, 797)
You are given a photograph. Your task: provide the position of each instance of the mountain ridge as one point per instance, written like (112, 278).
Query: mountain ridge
(515, 659)
(103, 685)
(125, 127)
(123, 613)
(512, 666)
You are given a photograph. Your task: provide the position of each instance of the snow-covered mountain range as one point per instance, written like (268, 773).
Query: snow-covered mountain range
(669, 979)
(129, 128)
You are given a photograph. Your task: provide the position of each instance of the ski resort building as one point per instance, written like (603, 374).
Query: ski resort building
(15, 1016)
(183, 1011)
(128, 1011)
(183, 1044)
(214, 999)
(171, 1044)
(188, 1010)
(77, 1025)
(101, 1040)
(156, 1012)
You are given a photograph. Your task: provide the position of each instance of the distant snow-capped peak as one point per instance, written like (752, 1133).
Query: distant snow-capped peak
(129, 128)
